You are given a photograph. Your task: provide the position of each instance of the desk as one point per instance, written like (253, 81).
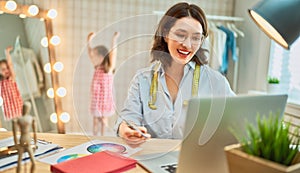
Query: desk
(68, 141)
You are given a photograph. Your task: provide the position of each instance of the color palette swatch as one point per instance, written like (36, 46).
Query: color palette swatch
(88, 148)
(70, 157)
(117, 148)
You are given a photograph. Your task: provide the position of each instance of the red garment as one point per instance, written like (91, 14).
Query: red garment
(12, 99)
(102, 103)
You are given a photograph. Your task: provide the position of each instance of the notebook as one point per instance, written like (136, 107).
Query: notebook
(100, 162)
(207, 132)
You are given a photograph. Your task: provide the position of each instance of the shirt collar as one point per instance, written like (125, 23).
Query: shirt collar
(188, 66)
(192, 64)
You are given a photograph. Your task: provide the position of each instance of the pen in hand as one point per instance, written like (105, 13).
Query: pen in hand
(134, 127)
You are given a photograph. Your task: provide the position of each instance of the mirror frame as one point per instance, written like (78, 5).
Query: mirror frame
(42, 15)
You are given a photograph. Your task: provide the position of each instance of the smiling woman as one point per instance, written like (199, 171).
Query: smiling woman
(23, 27)
(156, 101)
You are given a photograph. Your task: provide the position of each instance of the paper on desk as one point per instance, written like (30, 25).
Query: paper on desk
(87, 149)
(43, 149)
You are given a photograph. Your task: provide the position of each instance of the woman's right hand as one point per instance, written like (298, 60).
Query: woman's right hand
(132, 137)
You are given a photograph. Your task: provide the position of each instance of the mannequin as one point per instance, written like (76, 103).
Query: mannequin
(25, 123)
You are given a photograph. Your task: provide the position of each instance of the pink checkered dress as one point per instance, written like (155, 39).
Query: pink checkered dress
(12, 99)
(101, 94)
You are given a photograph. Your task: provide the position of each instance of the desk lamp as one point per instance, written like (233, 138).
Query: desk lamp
(279, 19)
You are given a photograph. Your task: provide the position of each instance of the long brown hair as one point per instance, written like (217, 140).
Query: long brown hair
(160, 50)
(103, 51)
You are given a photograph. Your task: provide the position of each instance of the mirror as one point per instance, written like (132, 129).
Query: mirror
(28, 58)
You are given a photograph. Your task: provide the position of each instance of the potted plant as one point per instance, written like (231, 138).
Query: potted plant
(273, 85)
(267, 148)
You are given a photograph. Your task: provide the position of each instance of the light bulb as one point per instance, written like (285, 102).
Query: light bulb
(47, 67)
(22, 16)
(33, 10)
(52, 13)
(50, 93)
(44, 42)
(58, 66)
(64, 117)
(61, 92)
(53, 118)
(11, 5)
(55, 40)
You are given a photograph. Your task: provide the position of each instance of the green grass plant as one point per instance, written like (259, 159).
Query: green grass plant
(270, 140)
(273, 80)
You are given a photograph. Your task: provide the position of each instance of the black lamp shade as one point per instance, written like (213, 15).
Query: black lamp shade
(279, 19)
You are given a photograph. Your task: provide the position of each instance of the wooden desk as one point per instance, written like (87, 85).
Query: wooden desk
(68, 141)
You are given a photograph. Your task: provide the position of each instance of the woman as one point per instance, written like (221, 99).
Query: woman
(158, 95)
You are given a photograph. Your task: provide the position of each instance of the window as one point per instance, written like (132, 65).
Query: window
(285, 65)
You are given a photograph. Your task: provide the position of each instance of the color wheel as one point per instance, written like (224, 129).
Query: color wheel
(117, 148)
(70, 157)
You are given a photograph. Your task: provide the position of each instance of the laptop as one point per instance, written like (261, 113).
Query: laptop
(207, 132)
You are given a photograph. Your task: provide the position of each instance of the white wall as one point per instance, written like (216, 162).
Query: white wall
(11, 27)
(254, 51)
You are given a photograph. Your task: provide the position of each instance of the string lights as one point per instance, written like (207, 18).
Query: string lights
(10, 5)
(33, 10)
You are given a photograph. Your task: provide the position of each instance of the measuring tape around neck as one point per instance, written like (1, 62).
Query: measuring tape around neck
(154, 85)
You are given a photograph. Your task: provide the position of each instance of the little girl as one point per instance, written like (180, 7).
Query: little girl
(102, 105)
(12, 99)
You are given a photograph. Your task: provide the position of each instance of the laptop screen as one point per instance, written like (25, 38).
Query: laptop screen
(207, 128)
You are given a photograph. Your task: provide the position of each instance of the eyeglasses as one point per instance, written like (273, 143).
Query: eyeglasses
(179, 36)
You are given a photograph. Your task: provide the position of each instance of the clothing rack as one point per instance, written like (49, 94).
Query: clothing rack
(211, 17)
(229, 19)
(225, 18)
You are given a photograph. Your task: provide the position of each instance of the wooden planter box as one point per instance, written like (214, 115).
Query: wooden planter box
(241, 162)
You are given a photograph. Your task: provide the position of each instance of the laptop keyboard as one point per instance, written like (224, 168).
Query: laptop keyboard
(171, 168)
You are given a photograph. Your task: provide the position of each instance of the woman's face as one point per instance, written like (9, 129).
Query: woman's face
(184, 39)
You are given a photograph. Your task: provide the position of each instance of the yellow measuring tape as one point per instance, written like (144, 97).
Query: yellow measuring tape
(154, 85)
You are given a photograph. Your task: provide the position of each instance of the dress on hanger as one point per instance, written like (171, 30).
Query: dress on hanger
(230, 48)
(217, 41)
(29, 73)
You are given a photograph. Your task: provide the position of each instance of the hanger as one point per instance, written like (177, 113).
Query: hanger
(241, 33)
(212, 25)
(228, 25)
(17, 46)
